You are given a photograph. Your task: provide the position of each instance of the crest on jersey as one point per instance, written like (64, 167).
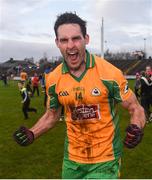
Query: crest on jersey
(96, 92)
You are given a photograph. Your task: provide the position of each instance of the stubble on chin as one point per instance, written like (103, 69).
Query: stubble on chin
(79, 67)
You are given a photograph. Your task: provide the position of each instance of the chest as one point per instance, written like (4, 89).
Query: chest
(88, 90)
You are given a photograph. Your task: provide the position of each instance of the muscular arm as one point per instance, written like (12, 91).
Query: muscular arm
(46, 122)
(136, 111)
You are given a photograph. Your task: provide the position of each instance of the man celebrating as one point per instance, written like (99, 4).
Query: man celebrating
(89, 88)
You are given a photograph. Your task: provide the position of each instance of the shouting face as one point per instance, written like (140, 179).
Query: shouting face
(72, 45)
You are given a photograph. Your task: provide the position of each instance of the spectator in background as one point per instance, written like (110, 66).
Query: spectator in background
(23, 75)
(4, 78)
(26, 100)
(146, 94)
(28, 86)
(42, 81)
(46, 72)
(137, 86)
(35, 84)
(148, 71)
(149, 78)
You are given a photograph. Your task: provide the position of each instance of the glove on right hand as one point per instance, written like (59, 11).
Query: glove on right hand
(23, 136)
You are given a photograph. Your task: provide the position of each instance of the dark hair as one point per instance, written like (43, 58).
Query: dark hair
(70, 18)
(143, 73)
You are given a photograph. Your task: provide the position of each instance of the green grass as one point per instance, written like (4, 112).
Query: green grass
(43, 159)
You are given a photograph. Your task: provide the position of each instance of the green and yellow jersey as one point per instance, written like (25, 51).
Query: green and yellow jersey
(90, 109)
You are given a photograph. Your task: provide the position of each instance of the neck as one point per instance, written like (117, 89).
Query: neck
(78, 71)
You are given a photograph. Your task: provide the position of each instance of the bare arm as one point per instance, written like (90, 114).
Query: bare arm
(46, 122)
(136, 111)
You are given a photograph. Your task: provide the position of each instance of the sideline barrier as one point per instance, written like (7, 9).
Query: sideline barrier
(16, 78)
(130, 76)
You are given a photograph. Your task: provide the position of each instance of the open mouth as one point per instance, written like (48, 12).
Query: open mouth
(73, 56)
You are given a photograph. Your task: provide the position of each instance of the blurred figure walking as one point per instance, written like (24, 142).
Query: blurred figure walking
(26, 100)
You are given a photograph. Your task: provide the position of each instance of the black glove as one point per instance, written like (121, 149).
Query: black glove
(134, 136)
(23, 136)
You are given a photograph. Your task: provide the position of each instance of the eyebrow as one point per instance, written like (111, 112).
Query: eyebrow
(76, 37)
(73, 38)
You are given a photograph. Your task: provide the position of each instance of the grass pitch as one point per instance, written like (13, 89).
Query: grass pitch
(43, 159)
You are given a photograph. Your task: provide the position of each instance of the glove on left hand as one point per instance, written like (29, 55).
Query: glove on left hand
(23, 136)
(134, 136)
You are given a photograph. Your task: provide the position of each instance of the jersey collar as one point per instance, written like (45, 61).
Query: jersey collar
(90, 62)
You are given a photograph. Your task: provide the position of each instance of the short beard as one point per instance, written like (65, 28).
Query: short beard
(77, 68)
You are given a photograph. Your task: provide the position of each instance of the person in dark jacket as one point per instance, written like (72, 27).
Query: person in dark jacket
(137, 86)
(26, 100)
(146, 94)
(4, 78)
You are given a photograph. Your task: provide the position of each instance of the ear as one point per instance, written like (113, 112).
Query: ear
(87, 39)
(57, 42)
